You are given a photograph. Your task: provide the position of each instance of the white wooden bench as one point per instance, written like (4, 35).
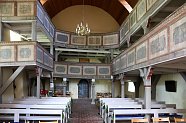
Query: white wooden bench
(111, 107)
(44, 102)
(63, 108)
(105, 100)
(55, 99)
(16, 114)
(154, 112)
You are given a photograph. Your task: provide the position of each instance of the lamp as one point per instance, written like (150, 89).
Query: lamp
(82, 28)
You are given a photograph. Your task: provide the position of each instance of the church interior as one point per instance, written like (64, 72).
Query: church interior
(92, 61)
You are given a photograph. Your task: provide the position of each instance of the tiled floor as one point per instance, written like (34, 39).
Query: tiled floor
(84, 112)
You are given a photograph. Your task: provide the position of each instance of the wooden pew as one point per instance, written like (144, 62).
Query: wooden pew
(105, 106)
(63, 108)
(63, 100)
(44, 102)
(154, 112)
(17, 114)
(122, 106)
(104, 100)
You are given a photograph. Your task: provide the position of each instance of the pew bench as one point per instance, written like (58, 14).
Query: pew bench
(63, 108)
(122, 114)
(21, 114)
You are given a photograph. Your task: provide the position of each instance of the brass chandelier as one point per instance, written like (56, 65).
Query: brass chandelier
(82, 28)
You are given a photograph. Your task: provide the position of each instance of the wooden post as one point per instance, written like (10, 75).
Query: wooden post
(93, 91)
(113, 87)
(34, 31)
(64, 86)
(122, 85)
(1, 30)
(38, 72)
(146, 74)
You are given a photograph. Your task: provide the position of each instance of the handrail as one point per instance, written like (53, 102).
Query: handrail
(157, 46)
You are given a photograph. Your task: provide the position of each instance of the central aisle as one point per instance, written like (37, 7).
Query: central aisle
(84, 112)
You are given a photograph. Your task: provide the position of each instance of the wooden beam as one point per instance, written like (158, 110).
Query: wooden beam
(11, 79)
(87, 51)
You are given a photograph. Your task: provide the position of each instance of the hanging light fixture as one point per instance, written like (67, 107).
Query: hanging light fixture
(82, 28)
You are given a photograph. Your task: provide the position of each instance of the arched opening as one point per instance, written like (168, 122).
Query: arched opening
(83, 89)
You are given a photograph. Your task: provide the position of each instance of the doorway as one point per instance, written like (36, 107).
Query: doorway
(83, 89)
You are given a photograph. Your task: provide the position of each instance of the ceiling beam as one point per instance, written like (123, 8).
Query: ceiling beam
(86, 51)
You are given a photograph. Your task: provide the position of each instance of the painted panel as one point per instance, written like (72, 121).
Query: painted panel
(25, 53)
(104, 70)
(89, 70)
(133, 18)
(123, 61)
(124, 30)
(52, 31)
(78, 40)
(141, 9)
(74, 70)
(7, 53)
(51, 61)
(94, 40)
(62, 37)
(117, 64)
(40, 13)
(131, 58)
(60, 69)
(141, 52)
(46, 59)
(150, 3)
(46, 24)
(39, 55)
(178, 35)
(158, 44)
(110, 39)
(25, 8)
(7, 9)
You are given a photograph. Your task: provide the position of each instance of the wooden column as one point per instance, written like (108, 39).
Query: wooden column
(51, 82)
(146, 74)
(93, 91)
(1, 30)
(113, 87)
(34, 30)
(122, 85)
(64, 86)
(145, 26)
(38, 71)
(1, 82)
(51, 48)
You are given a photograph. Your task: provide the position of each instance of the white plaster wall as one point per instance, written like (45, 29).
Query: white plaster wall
(117, 88)
(73, 87)
(179, 97)
(99, 21)
(103, 86)
(141, 90)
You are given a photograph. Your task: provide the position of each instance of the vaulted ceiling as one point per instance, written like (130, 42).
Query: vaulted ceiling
(113, 7)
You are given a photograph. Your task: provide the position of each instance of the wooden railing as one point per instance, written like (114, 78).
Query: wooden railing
(140, 13)
(24, 53)
(19, 8)
(164, 43)
(93, 41)
(82, 70)
(44, 20)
